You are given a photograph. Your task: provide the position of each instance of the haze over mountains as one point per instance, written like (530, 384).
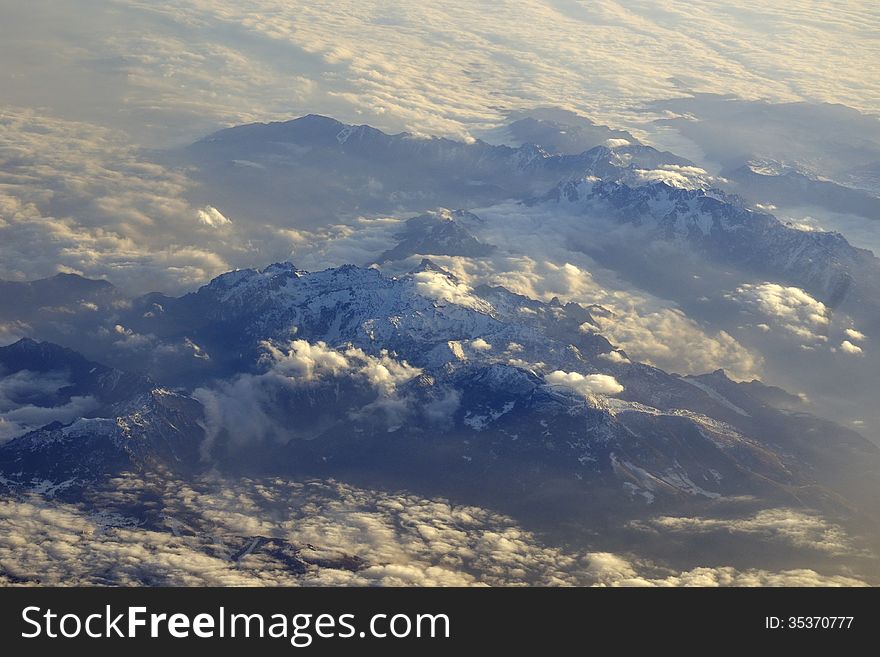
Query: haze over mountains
(380, 382)
(470, 354)
(279, 307)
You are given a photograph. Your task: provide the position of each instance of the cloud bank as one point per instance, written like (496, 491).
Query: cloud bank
(175, 67)
(338, 534)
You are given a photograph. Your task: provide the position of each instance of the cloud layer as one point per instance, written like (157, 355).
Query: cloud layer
(340, 535)
(174, 67)
(78, 198)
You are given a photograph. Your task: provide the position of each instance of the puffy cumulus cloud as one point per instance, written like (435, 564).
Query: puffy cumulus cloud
(614, 357)
(853, 334)
(480, 345)
(791, 526)
(342, 534)
(280, 532)
(538, 255)
(790, 308)
(545, 279)
(646, 328)
(212, 217)
(66, 539)
(669, 339)
(384, 373)
(28, 401)
(848, 347)
(303, 360)
(311, 361)
(586, 385)
(246, 406)
(359, 241)
(436, 285)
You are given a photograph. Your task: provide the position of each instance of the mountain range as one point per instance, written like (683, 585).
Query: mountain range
(401, 372)
(481, 394)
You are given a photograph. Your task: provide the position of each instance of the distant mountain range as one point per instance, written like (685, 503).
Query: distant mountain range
(325, 169)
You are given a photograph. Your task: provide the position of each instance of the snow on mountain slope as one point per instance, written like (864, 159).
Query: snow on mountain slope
(720, 226)
(326, 169)
(328, 369)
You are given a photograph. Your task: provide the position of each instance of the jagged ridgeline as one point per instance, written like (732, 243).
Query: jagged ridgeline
(350, 373)
(430, 368)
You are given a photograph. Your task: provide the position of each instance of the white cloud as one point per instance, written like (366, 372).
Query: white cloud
(12, 332)
(129, 339)
(669, 339)
(20, 414)
(849, 348)
(614, 357)
(481, 345)
(401, 539)
(79, 198)
(790, 308)
(586, 385)
(302, 360)
(791, 526)
(538, 256)
(727, 576)
(246, 406)
(384, 373)
(685, 177)
(853, 334)
(224, 62)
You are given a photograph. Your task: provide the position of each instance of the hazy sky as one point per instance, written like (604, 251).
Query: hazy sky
(166, 72)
